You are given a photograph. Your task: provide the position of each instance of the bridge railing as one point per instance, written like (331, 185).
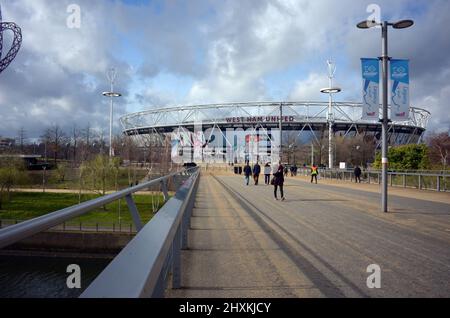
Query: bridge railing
(434, 181)
(18, 232)
(142, 269)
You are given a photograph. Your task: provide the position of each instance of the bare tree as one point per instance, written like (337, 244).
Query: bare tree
(75, 139)
(46, 140)
(440, 148)
(57, 138)
(86, 135)
(355, 150)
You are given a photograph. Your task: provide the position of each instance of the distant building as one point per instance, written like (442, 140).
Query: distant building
(32, 162)
(6, 143)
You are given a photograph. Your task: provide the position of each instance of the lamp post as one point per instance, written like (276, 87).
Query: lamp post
(403, 24)
(112, 75)
(330, 91)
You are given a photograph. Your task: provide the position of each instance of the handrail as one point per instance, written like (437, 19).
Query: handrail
(18, 232)
(436, 173)
(420, 180)
(142, 267)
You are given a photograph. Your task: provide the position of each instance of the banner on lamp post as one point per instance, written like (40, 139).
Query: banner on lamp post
(371, 92)
(400, 90)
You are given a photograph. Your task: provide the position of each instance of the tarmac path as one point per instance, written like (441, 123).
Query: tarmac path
(317, 243)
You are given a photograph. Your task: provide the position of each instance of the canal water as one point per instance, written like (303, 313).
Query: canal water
(44, 277)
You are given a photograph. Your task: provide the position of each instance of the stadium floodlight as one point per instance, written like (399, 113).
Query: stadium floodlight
(403, 24)
(111, 94)
(332, 90)
(367, 24)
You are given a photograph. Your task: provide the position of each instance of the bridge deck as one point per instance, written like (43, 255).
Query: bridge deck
(318, 243)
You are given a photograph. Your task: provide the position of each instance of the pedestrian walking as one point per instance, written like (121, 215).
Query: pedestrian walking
(247, 173)
(357, 173)
(286, 171)
(314, 173)
(278, 182)
(294, 170)
(256, 173)
(267, 172)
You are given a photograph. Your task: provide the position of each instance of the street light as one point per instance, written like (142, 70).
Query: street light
(403, 24)
(330, 91)
(112, 75)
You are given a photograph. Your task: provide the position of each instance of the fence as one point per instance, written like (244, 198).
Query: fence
(99, 227)
(144, 265)
(417, 180)
(17, 232)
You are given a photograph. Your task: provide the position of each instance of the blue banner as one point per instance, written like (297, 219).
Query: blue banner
(371, 93)
(400, 90)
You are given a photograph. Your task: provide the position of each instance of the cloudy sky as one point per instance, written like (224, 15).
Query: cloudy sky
(171, 52)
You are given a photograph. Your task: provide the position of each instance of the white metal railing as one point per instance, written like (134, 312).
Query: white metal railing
(143, 267)
(15, 233)
(423, 180)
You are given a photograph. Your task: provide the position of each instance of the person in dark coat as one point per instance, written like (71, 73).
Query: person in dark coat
(256, 173)
(247, 172)
(278, 182)
(357, 173)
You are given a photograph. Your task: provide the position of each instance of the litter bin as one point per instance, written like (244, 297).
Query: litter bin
(236, 170)
(240, 170)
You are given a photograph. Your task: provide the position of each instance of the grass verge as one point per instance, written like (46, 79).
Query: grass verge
(26, 205)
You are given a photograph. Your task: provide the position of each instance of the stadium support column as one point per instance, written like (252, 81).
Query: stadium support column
(281, 131)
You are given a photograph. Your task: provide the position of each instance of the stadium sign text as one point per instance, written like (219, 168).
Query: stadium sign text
(260, 119)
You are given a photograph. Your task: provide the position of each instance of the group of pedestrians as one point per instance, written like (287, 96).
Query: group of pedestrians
(278, 173)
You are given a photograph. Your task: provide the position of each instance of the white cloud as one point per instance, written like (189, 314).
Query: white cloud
(308, 89)
(228, 48)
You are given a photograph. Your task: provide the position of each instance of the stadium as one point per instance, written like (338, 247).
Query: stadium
(232, 132)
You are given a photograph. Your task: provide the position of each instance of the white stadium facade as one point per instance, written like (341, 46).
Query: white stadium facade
(236, 132)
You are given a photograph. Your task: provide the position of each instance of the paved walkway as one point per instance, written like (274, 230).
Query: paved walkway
(318, 243)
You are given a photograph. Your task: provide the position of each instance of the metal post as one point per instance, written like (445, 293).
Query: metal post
(111, 126)
(312, 153)
(165, 191)
(404, 181)
(438, 184)
(134, 213)
(43, 178)
(112, 75)
(112, 78)
(330, 133)
(385, 119)
(176, 261)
